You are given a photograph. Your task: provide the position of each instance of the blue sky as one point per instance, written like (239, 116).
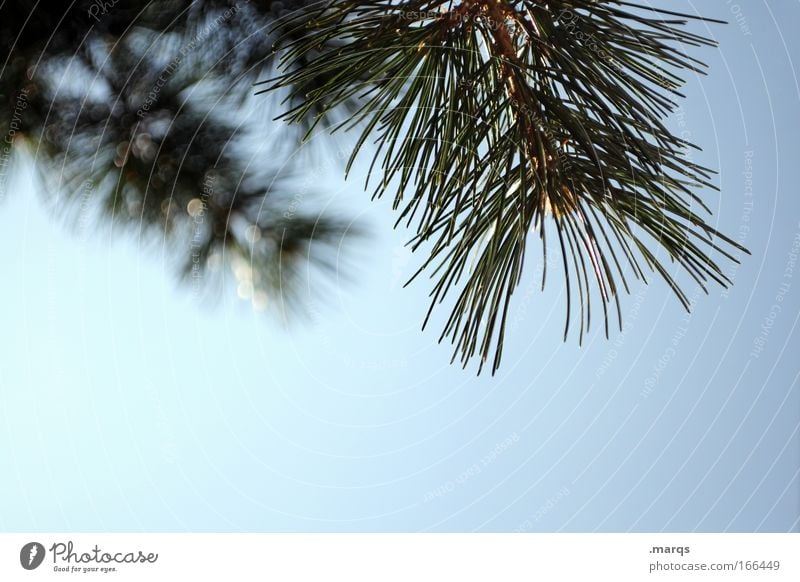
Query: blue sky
(127, 406)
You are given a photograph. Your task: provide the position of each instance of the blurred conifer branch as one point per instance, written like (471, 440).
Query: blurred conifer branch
(134, 114)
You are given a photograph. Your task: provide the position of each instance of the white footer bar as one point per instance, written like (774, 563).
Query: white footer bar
(400, 557)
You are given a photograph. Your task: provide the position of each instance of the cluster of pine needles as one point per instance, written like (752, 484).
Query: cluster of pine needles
(497, 124)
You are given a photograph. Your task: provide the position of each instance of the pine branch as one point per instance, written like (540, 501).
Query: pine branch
(499, 122)
(132, 113)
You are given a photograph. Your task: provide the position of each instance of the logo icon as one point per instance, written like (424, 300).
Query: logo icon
(31, 555)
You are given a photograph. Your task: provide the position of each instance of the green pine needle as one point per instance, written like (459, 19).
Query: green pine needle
(499, 124)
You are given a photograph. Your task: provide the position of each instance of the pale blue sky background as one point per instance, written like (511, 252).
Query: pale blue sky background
(124, 405)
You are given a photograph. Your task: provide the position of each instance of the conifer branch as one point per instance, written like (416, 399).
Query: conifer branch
(500, 122)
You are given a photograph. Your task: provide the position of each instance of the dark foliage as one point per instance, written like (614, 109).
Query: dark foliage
(502, 123)
(135, 109)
